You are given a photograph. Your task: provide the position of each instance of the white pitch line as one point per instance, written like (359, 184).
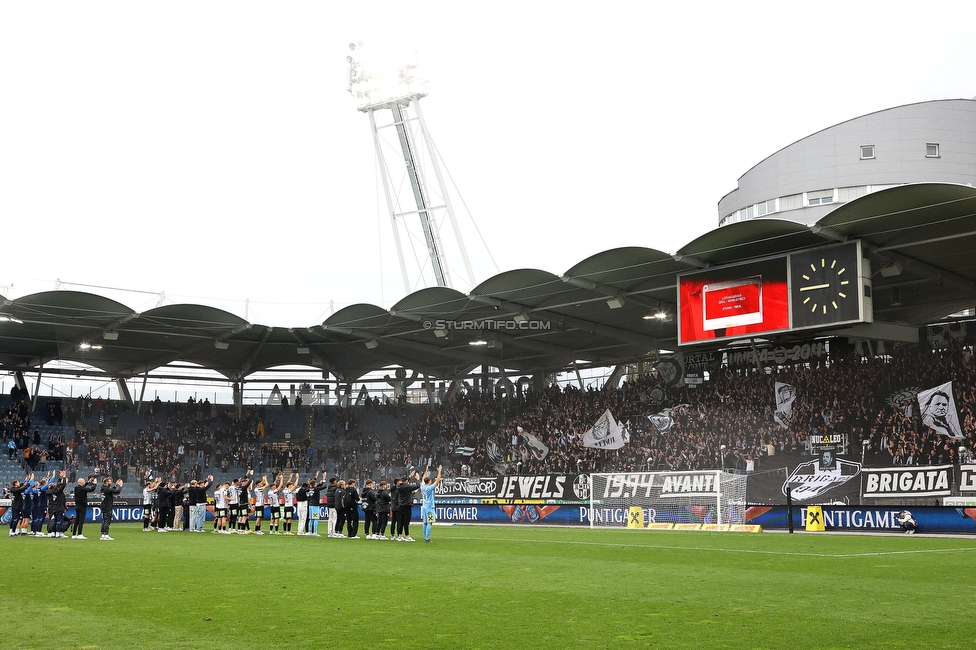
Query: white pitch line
(724, 550)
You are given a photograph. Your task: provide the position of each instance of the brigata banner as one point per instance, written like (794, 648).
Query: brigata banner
(550, 487)
(907, 482)
(967, 479)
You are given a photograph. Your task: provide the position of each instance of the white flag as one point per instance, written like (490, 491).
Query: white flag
(785, 394)
(536, 446)
(661, 421)
(605, 434)
(939, 411)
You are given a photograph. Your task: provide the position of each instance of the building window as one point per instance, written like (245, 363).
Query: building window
(766, 207)
(867, 151)
(845, 194)
(932, 150)
(791, 202)
(820, 197)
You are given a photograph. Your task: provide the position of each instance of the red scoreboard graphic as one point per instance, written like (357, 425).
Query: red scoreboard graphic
(734, 301)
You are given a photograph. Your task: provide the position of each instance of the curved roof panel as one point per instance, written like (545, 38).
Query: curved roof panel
(920, 240)
(747, 240)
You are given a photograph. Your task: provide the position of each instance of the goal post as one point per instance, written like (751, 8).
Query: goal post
(714, 498)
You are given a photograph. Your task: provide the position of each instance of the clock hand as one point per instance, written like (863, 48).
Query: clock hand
(816, 286)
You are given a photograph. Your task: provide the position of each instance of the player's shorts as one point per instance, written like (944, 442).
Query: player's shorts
(242, 511)
(289, 512)
(220, 513)
(276, 512)
(259, 512)
(428, 516)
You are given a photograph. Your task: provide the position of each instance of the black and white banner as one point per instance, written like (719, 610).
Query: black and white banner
(939, 411)
(967, 479)
(785, 396)
(538, 448)
(556, 487)
(647, 485)
(907, 482)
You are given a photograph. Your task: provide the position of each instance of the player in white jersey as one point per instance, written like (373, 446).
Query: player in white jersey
(148, 496)
(220, 508)
(233, 502)
(274, 504)
(258, 491)
(288, 502)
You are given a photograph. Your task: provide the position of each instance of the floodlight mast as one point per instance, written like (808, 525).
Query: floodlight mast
(380, 85)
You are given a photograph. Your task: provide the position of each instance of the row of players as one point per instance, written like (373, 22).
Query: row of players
(33, 499)
(237, 502)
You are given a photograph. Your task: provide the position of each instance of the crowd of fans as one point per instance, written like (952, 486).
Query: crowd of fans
(726, 422)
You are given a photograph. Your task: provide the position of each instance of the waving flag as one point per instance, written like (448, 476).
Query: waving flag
(605, 434)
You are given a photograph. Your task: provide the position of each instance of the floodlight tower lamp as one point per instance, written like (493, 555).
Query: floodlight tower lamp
(385, 79)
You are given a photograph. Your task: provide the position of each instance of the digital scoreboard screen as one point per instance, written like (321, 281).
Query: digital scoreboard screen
(733, 301)
(805, 289)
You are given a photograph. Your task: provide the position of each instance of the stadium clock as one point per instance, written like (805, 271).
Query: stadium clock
(825, 286)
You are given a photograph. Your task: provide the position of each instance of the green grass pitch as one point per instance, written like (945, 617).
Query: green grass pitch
(489, 587)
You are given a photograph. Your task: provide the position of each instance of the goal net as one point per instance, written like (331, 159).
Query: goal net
(713, 500)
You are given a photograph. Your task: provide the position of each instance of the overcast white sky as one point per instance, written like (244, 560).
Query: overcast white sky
(209, 150)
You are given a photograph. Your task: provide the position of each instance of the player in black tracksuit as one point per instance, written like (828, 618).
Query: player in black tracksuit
(57, 505)
(108, 502)
(17, 490)
(382, 510)
(369, 509)
(340, 511)
(396, 528)
(315, 511)
(82, 490)
(164, 503)
(406, 490)
(330, 500)
(352, 509)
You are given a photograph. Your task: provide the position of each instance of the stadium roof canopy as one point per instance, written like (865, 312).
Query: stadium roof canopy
(921, 239)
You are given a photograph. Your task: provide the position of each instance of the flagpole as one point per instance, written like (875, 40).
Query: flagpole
(718, 498)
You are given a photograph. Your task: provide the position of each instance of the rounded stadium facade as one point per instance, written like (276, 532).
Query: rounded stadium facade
(926, 142)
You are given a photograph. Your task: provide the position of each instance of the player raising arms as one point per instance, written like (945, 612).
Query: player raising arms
(288, 501)
(427, 501)
(220, 508)
(243, 511)
(274, 503)
(259, 491)
(148, 498)
(233, 502)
